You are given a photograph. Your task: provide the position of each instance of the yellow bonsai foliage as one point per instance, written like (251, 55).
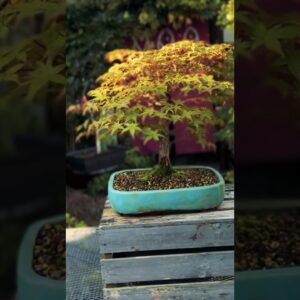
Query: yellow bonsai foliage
(153, 84)
(118, 55)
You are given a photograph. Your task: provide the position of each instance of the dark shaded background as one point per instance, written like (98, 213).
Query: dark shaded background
(267, 128)
(267, 143)
(32, 159)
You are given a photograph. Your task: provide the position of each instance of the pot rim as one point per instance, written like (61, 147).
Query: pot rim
(221, 181)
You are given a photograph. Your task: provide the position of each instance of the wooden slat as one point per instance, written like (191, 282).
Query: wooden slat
(229, 195)
(229, 187)
(167, 267)
(218, 290)
(111, 218)
(218, 230)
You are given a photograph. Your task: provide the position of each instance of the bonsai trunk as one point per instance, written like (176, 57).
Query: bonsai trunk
(165, 167)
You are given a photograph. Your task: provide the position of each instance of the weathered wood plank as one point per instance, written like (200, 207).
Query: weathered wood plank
(218, 290)
(229, 187)
(208, 233)
(111, 218)
(229, 195)
(167, 267)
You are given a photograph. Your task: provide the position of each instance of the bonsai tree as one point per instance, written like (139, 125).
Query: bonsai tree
(154, 84)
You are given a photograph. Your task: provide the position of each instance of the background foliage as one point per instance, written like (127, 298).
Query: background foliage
(73, 222)
(225, 17)
(95, 27)
(275, 38)
(32, 64)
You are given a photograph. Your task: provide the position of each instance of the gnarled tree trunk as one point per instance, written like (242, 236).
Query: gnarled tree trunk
(165, 167)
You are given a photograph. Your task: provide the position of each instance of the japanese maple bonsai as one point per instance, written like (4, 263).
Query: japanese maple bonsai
(165, 85)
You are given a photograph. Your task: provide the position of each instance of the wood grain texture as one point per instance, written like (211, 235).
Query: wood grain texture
(167, 267)
(111, 218)
(229, 187)
(219, 290)
(196, 233)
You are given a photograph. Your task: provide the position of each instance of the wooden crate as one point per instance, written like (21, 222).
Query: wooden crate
(184, 256)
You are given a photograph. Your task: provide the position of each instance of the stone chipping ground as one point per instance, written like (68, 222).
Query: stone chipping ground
(268, 240)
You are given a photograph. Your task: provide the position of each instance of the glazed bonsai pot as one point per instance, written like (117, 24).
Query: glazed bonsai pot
(181, 199)
(31, 285)
(271, 284)
(87, 161)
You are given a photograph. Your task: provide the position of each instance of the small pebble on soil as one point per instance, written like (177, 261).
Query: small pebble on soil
(134, 180)
(49, 252)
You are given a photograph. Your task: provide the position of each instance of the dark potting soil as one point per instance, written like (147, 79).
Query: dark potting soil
(185, 178)
(49, 251)
(267, 241)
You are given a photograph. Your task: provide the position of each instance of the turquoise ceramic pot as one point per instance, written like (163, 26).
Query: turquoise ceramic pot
(273, 284)
(31, 285)
(195, 198)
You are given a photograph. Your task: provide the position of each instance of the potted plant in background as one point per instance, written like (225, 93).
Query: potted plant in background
(152, 84)
(106, 156)
(41, 261)
(268, 245)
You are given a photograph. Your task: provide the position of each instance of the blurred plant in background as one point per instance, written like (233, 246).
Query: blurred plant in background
(72, 222)
(225, 17)
(90, 34)
(273, 38)
(136, 161)
(32, 64)
(74, 118)
(98, 185)
(229, 176)
(147, 16)
(78, 119)
(96, 27)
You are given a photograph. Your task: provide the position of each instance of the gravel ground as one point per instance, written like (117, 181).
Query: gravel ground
(267, 241)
